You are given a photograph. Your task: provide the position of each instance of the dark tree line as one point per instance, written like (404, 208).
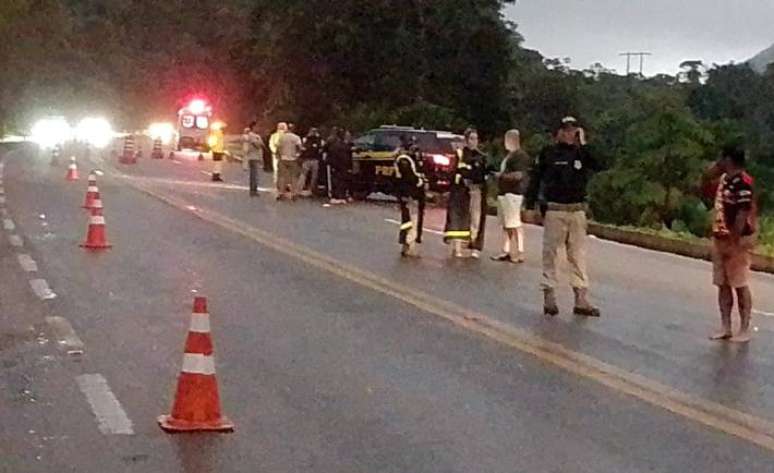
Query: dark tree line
(360, 63)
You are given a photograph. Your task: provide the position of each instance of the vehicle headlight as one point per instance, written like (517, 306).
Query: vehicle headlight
(94, 131)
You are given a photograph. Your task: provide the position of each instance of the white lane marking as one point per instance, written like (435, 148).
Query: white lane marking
(2, 190)
(65, 335)
(15, 240)
(41, 289)
(765, 314)
(425, 229)
(2, 199)
(8, 224)
(27, 263)
(111, 418)
(206, 173)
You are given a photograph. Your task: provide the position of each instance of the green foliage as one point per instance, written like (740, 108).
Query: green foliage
(434, 64)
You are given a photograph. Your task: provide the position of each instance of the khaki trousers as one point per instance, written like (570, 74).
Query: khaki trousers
(564, 229)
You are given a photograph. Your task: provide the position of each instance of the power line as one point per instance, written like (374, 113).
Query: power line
(629, 56)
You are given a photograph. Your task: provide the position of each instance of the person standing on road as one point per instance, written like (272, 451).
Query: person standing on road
(289, 149)
(410, 191)
(466, 211)
(733, 240)
(339, 158)
(252, 147)
(563, 171)
(218, 148)
(274, 141)
(512, 184)
(310, 163)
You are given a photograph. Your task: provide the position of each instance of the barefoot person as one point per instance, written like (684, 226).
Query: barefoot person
(733, 239)
(512, 184)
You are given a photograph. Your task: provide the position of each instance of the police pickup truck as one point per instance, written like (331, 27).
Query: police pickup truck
(374, 153)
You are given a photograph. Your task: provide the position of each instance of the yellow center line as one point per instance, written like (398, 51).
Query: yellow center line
(730, 421)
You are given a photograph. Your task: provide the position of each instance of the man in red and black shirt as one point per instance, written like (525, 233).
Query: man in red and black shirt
(734, 235)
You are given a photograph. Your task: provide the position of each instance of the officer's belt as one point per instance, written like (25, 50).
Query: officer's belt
(578, 207)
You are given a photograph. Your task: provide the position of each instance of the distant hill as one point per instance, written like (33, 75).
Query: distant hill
(762, 60)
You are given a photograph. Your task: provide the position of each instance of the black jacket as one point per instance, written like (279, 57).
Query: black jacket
(561, 174)
(313, 148)
(410, 180)
(471, 166)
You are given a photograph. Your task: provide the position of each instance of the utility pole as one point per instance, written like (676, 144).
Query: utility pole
(629, 56)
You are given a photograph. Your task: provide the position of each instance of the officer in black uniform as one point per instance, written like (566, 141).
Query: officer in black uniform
(561, 174)
(410, 191)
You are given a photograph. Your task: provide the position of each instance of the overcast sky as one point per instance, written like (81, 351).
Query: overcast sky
(589, 31)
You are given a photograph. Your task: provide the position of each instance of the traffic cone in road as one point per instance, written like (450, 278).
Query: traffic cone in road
(72, 170)
(92, 192)
(157, 152)
(128, 155)
(197, 402)
(96, 238)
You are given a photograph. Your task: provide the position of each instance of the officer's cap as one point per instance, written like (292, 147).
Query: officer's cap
(569, 122)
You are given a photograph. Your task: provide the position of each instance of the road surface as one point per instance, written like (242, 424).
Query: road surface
(335, 355)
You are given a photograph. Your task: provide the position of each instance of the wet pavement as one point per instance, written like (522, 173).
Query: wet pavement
(325, 373)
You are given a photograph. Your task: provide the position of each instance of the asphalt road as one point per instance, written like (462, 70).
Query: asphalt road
(335, 355)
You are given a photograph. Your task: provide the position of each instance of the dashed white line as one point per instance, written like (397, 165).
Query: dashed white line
(111, 418)
(8, 224)
(41, 289)
(27, 263)
(425, 229)
(15, 240)
(2, 199)
(765, 314)
(65, 335)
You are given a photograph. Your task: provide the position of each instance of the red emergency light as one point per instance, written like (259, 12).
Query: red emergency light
(197, 106)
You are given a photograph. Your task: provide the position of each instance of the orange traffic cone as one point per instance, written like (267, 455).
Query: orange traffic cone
(95, 237)
(72, 170)
(92, 192)
(197, 402)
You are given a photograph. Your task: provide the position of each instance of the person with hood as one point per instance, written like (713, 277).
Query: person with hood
(466, 210)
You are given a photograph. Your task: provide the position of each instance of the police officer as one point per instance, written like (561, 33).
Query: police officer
(562, 172)
(410, 191)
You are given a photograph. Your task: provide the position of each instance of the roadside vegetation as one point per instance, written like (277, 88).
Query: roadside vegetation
(440, 64)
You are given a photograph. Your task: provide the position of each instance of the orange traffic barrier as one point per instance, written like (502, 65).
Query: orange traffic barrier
(92, 192)
(96, 238)
(72, 170)
(197, 402)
